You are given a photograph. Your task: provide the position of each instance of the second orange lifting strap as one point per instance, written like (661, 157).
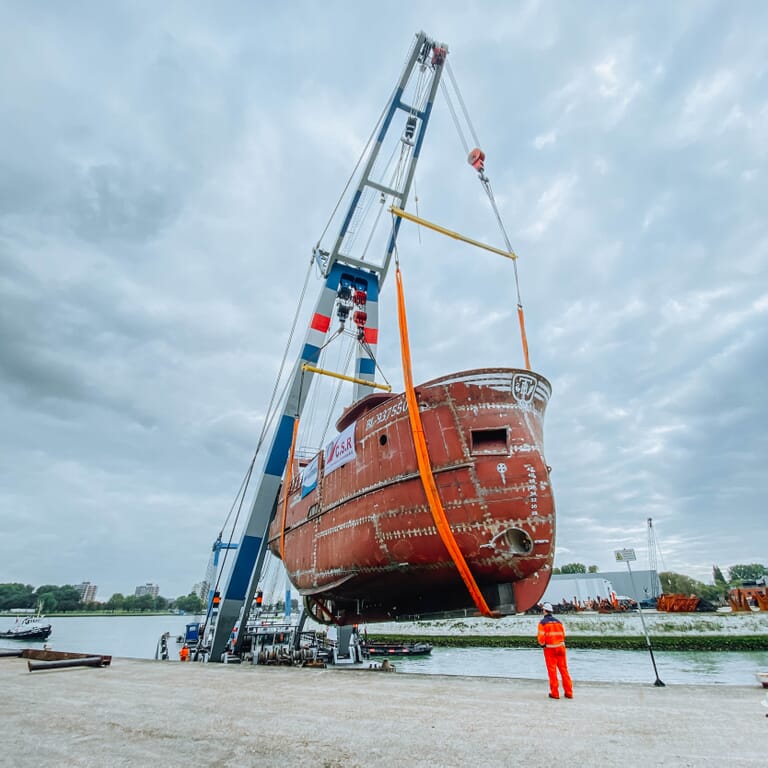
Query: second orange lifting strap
(425, 466)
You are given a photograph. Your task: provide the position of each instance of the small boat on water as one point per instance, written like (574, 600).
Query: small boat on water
(28, 628)
(372, 649)
(762, 678)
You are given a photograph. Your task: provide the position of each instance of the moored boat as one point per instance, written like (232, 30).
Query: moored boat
(28, 628)
(396, 649)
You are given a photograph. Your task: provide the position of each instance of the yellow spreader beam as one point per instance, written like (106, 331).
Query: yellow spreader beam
(450, 233)
(353, 379)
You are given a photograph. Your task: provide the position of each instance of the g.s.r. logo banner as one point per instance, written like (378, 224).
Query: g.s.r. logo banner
(341, 450)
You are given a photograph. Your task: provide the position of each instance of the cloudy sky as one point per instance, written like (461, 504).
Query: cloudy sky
(166, 168)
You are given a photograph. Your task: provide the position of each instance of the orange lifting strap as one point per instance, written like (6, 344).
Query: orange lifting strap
(287, 485)
(523, 336)
(425, 467)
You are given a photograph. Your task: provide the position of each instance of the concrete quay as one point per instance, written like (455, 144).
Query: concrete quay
(149, 713)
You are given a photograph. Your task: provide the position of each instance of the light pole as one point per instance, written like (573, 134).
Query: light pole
(627, 556)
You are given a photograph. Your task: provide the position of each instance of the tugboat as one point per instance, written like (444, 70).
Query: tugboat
(29, 628)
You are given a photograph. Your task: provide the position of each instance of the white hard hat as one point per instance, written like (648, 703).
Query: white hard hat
(547, 607)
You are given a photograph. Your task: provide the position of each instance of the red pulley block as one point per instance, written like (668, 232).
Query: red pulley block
(438, 55)
(477, 159)
(360, 318)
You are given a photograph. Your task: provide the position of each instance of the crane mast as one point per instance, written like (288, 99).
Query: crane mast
(352, 283)
(653, 564)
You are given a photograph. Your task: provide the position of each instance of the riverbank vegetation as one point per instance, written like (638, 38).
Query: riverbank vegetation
(54, 599)
(592, 642)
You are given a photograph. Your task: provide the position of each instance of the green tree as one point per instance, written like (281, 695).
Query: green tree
(16, 595)
(161, 603)
(56, 598)
(679, 584)
(190, 603)
(720, 586)
(555, 571)
(144, 603)
(573, 568)
(116, 602)
(129, 603)
(47, 600)
(68, 598)
(592, 569)
(717, 577)
(738, 574)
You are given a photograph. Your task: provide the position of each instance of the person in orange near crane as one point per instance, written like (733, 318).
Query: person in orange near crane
(551, 636)
(184, 653)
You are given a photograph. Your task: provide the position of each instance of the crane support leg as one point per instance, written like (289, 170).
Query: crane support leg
(252, 549)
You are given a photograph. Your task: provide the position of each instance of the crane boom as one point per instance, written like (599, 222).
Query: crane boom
(352, 284)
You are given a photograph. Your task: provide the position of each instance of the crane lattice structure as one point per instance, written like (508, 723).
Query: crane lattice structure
(653, 565)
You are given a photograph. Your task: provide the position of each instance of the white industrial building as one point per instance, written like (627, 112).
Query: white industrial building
(577, 588)
(582, 587)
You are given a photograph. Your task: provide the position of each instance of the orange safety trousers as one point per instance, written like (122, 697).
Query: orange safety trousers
(555, 658)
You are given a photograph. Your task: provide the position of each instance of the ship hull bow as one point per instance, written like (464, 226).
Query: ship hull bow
(360, 540)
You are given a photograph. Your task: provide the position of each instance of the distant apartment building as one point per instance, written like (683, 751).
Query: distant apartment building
(153, 590)
(87, 592)
(201, 589)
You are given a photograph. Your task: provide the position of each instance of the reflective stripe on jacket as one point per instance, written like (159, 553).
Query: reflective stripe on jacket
(551, 632)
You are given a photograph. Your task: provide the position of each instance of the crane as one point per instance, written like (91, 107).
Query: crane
(352, 286)
(653, 566)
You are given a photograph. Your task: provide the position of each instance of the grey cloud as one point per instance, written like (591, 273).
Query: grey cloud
(167, 169)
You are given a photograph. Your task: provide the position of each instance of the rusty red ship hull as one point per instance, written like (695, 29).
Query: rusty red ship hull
(360, 542)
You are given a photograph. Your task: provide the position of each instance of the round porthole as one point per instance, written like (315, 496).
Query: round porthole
(383, 440)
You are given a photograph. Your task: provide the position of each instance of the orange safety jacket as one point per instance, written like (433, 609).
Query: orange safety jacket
(551, 632)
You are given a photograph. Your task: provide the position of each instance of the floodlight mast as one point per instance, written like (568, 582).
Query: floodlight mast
(627, 556)
(653, 565)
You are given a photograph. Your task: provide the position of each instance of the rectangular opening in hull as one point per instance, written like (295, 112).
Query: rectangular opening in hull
(489, 441)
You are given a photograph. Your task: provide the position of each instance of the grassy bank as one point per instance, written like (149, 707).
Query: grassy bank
(602, 642)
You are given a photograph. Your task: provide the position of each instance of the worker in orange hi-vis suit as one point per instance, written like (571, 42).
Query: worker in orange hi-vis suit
(551, 637)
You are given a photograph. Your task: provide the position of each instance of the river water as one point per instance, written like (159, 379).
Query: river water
(138, 636)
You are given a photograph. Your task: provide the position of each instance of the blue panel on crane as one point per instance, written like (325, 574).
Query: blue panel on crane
(311, 354)
(423, 131)
(393, 108)
(373, 289)
(366, 365)
(241, 573)
(280, 447)
(393, 236)
(352, 208)
(334, 276)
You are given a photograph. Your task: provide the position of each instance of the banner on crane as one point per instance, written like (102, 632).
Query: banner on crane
(341, 450)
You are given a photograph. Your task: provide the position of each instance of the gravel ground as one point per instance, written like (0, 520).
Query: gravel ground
(147, 713)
